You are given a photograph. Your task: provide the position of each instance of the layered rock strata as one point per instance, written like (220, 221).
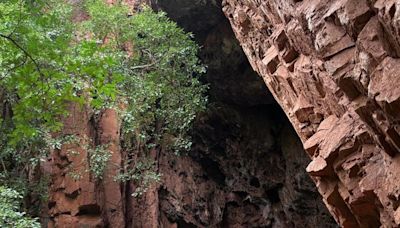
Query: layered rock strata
(333, 68)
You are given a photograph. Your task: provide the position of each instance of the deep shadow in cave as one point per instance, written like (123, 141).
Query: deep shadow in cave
(249, 163)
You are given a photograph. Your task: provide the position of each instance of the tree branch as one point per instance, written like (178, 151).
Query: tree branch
(142, 66)
(25, 52)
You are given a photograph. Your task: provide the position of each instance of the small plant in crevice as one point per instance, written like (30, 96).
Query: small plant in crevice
(98, 160)
(142, 174)
(73, 174)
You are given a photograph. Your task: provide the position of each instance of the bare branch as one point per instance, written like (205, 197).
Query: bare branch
(142, 66)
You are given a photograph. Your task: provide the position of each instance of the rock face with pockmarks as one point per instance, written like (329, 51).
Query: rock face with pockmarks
(333, 68)
(246, 168)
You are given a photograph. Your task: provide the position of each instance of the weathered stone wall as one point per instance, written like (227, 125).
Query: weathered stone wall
(77, 198)
(333, 68)
(246, 169)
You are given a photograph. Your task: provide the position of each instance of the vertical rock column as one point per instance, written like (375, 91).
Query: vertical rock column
(113, 202)
(73, 196)
(77, 198)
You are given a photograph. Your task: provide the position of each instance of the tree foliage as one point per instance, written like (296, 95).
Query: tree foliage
(10, 216)
(142, 62)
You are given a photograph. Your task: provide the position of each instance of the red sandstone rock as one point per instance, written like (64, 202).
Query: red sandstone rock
(356, 93)
(332, 65)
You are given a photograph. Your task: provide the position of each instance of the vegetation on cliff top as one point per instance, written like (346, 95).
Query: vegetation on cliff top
(142, 62)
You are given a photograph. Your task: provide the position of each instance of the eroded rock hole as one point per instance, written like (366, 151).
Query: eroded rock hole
(90, 209)
(273, 195)
(255, 182)
(213, 171)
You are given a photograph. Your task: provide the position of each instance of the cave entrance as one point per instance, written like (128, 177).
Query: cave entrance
(248, 153)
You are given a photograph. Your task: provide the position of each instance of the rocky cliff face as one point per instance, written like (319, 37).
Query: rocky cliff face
(333, 68)
(331, 65)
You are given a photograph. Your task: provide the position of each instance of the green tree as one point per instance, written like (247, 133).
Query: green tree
(160, 88)
(143, 61)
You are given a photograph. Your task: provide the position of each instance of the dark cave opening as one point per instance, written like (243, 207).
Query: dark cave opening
(253, 161)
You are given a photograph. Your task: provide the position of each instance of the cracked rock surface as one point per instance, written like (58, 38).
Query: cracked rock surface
(333, 68)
